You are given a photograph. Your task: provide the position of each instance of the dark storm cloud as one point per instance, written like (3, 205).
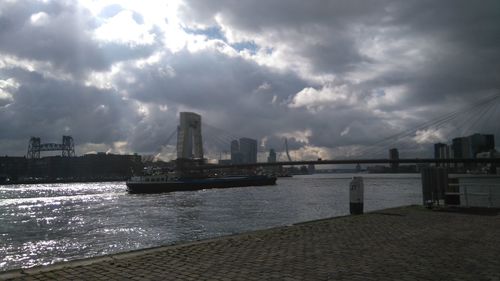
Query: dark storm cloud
(233, 94)
(465, 58)
(280, 15)
(59, 34)
(344, 72)
(211, 79)
(237, 96)
(443, 54)
(318, 31)
(150, 133)
(61, 38)
(50, 108)
(465, 35)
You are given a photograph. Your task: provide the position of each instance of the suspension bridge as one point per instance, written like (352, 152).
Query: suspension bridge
(472, 118)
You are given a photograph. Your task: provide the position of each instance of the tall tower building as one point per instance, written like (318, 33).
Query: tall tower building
(441, 151)
(394, 155)
(248, 149)
(272, 156)
(236, 157)
(468, 147)
(437, 150)
(481, 143)
(461, 148)
(189, 141)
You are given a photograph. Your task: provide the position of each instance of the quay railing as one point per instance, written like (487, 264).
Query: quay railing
(473, 191)
(464, 190)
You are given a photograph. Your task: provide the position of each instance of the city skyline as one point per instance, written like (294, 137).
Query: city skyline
(334, 78)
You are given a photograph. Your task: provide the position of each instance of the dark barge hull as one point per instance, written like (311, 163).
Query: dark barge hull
(198, 184)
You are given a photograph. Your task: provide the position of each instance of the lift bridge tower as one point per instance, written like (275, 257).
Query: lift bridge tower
(35, 147)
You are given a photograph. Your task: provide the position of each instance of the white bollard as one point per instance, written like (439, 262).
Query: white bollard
(356, 193)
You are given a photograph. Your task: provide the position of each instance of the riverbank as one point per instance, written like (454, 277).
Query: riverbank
(408, 243)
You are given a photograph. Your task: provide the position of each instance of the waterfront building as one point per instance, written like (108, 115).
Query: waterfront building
(225, 162)
(189, 141)
(445, 152)
(244, 151)
(12, 167)
(272, 156)
(358, 168)
(248, 149)
(481, 143)
(89, 167)
(461, 148)
(394, 155)
(488, 167)
(311, 169)
(442, 151)
(235, 147)
(236, 156)
(437, 150)
(470, 146)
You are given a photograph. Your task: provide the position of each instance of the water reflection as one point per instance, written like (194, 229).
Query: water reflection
(42, 224)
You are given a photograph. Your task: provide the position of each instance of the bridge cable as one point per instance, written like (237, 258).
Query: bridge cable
(476, 113)
(435, 122)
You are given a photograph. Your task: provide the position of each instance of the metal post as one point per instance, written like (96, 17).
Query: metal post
(466, 196)
(490, 197)
(356, 194)
(426, 174)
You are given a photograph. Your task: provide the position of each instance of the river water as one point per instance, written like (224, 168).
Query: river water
(46, 223)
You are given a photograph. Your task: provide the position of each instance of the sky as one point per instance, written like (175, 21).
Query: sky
(336, 78)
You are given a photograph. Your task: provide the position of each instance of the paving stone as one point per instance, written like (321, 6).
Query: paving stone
(409, 243)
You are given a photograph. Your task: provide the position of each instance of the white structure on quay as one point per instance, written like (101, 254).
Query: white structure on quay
(189, 141)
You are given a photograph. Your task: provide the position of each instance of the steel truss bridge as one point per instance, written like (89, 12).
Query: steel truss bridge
(67, 147)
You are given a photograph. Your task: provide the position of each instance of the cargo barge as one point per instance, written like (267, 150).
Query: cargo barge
(164, 183)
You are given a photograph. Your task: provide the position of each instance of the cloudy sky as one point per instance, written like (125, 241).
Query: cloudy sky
(336, 78)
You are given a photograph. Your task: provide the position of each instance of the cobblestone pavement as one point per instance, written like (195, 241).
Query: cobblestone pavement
(409, 243)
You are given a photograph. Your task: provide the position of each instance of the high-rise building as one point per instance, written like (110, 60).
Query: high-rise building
(235, 146)
(481, 143)
(437, 150)
(461, 148)
(272, 156)
(469, 147)
(236, 156)
(248, 149)
(394, 155)
(442, 151)
(445, 152)
(189, 142)
(244, 151)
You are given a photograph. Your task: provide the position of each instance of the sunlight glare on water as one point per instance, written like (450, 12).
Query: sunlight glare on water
(47, 223)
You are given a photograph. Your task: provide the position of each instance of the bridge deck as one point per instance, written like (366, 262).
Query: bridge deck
(353, 161)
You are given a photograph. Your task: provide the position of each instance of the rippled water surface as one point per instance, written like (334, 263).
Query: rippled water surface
(46, 223)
